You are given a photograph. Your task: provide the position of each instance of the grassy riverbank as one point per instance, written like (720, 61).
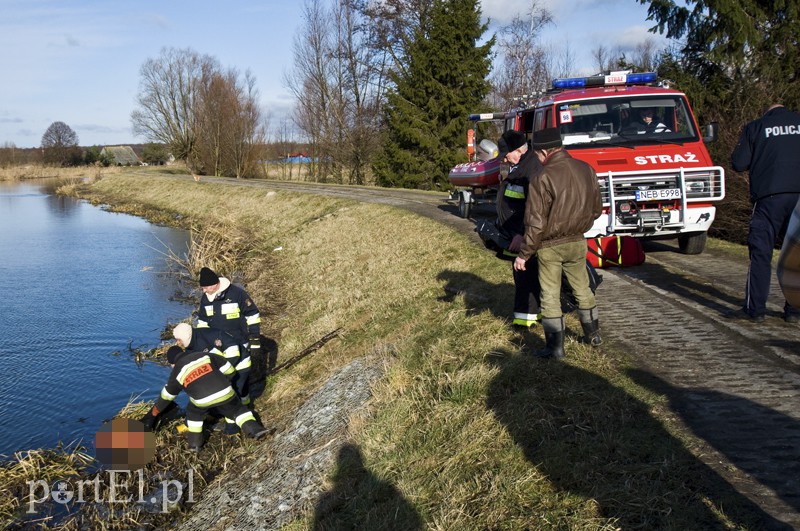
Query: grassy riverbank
(466, 430)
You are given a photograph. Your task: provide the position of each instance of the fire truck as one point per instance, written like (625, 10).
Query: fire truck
(656, 177)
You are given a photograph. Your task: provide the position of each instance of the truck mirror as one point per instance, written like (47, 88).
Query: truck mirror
(711, 132)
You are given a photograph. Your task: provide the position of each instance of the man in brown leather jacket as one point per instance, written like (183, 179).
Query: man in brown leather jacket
(563, 202)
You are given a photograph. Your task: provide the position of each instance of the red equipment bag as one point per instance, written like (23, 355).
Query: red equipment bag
(621, 251)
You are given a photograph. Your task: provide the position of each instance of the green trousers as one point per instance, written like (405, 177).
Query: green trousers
(571, 259)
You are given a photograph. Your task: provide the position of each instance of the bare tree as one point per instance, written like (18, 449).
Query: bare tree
(229, 129)
(338, 81)
(60, 145)
(602, 57)
(167, 91)
(524, 68)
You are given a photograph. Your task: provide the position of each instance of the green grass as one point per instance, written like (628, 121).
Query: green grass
(466, 430)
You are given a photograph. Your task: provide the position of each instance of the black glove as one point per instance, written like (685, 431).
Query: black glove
(255, 345)
(149, 420)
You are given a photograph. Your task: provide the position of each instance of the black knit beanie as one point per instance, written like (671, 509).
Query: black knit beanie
(208, 277)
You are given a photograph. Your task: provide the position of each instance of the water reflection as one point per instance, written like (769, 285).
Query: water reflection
(80, 283)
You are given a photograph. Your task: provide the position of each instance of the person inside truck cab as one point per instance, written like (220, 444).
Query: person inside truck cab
(651, 124)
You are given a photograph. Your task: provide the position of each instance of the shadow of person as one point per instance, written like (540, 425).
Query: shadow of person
(592, 439)
(262, 365)
(479, 295)
(762, 442)
(360, 500)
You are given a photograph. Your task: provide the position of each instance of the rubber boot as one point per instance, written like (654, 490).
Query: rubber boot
(591, 326)
(553, 338)
(194, 440)
(254, 430)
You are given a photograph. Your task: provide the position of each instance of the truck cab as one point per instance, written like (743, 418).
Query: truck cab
(656, 177)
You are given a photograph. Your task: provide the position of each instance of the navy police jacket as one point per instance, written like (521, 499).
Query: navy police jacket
(769, 148)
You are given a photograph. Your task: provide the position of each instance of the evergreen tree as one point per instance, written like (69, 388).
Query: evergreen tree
(444, 80)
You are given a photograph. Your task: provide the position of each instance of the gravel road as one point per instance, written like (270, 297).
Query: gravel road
(734, 384)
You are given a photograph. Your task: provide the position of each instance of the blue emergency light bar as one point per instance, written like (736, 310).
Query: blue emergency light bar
(614, 78)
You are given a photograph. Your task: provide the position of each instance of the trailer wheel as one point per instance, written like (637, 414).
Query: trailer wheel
(464, 204)
(693, 243)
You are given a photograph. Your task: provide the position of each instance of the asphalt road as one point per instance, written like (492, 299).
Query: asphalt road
(734, 384)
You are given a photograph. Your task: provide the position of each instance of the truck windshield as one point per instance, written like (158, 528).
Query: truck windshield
(626, 120)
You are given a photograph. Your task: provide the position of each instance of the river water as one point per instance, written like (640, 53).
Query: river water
(78, 285)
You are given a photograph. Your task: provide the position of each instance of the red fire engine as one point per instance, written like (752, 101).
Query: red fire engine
(656, 177)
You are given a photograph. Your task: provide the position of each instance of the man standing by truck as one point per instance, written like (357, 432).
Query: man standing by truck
(563, 202)
(769, 148)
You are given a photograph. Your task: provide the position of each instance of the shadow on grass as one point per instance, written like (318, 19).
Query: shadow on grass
(360, 500)
(591, 438)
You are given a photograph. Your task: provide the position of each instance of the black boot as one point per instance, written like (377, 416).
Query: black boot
(194, 440)
(254, 430)
(591, 326)
(553, 337)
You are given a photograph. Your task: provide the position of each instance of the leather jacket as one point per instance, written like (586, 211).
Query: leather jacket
(563, 202)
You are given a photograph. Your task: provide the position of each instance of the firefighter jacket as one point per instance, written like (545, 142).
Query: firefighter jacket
(769, 148)
(563, 202)
(216, 342)
(202, 376)
(231, 310)
(511, 196)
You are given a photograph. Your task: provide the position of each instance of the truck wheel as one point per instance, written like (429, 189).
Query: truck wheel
(464, 205)
(692, 243)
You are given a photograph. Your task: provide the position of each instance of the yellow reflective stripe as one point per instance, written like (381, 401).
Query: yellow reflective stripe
(166, 395)
(215, 398)
(190, 367)
(244, 417)
(246, 400)
(227, 369)
(194, 426)
(231, 352)
(209, 310)
(253, 319)
(201, 324)
(216, 351)
(232, 315)
(244, 364)
(514, 191)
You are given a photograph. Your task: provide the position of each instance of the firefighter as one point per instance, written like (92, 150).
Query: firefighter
(511, 194)
(563, 202)
(200, 374)
(228, 308)
(222, 344)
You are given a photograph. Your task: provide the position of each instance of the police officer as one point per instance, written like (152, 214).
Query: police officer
(769, 148)
(227, 307)
(511, 195)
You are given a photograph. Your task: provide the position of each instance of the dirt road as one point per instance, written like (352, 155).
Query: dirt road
(734, 384)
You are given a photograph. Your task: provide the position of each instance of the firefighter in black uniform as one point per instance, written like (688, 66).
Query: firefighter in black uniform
(511, 196)
(200, 375)
(228, 308)
(769, 148)
(222, 344)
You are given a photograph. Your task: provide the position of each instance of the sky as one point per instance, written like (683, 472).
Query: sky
(78, 61)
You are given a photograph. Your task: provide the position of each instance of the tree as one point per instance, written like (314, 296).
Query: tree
(229, 129)
(156, 154)
(60, 145)
(525, 65)
(444, 80)
(167, 92)
(736, 58)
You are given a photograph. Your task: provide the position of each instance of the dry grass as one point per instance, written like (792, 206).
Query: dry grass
(37, 171)
(467, 430)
